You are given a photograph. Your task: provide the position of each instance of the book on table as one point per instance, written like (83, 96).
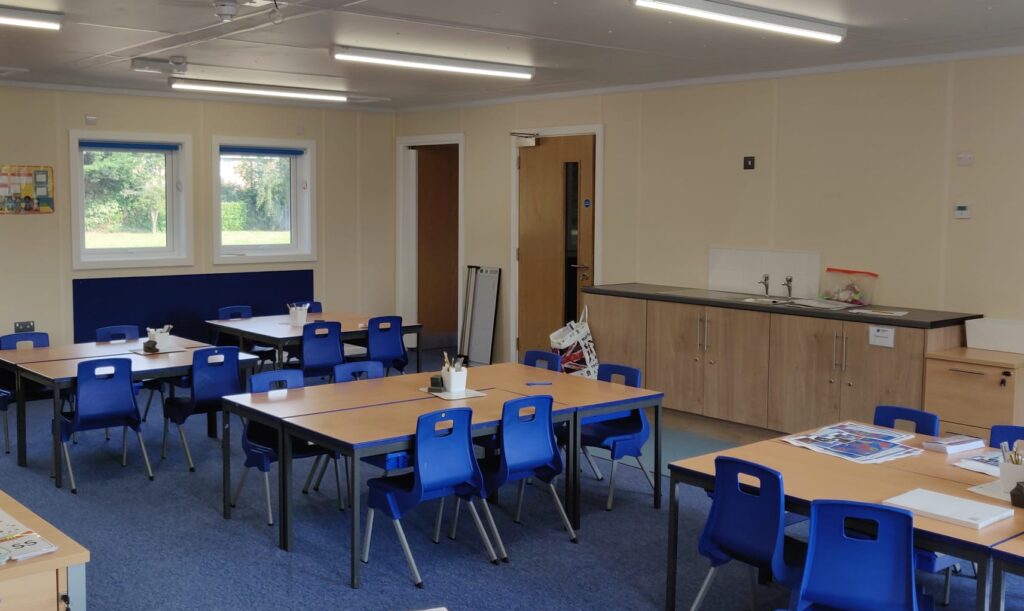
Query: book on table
(18, 542)
(953, 444)
(949, 508)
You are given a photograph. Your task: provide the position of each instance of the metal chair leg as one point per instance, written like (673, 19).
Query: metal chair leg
(611, 487)
(704, 589)
(74, 438)
(646, 472)
(369, 533)
(480, 529)
(149, 401)
(145, 455)
(124, 446)
(7, 434)
(238, 488)
(320, 478)
(408, 553)
(163, 447)
(184, 444)
(752, 573)
(561, 513)
(337, 484)
(455, 519)
(947, 587)
(67, 463)
(437, 521)
(593, 465)
(312, 472)
(519, 501)
(494, 529)
(106, 434)
(266, 489)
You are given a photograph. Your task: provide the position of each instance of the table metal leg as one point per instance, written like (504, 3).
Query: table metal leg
(284, 476)
(419, 356)
(279, 357)
(356, 543)
(572, 480)
(673, 546)
(226, 460)
(998, 585)
(657, 456)
(58, 479)
(211, 424)
(983, 594)
(22, 425)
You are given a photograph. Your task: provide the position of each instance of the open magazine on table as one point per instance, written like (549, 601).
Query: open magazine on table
(860, 443)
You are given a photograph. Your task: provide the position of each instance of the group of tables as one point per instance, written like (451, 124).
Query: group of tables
(810, 476)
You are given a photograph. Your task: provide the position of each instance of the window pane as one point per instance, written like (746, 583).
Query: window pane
(255, 200)
(125, 199)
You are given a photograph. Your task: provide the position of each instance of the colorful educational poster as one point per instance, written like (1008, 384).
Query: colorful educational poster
(26, 189)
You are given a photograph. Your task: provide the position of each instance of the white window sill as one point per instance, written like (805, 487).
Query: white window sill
(257, 257)
(130, 260)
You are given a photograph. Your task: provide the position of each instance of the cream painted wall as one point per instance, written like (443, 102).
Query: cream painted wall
(355, 194)
(858, 166)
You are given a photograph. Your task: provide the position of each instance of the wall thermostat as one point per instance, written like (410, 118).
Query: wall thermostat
(961, 211)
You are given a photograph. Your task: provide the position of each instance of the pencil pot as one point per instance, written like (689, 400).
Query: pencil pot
(454, 381)
(1009, 475)
(297, 312)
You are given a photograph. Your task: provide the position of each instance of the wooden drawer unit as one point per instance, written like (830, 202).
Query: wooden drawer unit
(976, 388)
(32, 592)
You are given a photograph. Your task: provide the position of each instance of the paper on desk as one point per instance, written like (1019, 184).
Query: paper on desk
(993, 489)
(456, 395)
(986, 462)
(856, 442)
(949, 508)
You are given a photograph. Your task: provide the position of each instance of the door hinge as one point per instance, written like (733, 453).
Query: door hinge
(517, 254)
(519, 162)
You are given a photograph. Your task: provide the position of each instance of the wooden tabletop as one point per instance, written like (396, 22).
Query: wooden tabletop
(937, 464)
(281, 328)
(68, 551)
(141, 364)
(570, 390)
(88, 350)
(810, 476)
(397, 421)
(335, 397)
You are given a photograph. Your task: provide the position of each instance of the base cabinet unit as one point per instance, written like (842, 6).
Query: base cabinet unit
(971, 390)
(805, 379)
(619, 327)
(675, 354)
(736, 365)
(880, 375)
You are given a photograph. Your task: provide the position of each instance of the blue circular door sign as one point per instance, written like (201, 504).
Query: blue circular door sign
(586, 203)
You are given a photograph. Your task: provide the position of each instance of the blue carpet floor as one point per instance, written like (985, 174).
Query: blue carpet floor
(164, 544)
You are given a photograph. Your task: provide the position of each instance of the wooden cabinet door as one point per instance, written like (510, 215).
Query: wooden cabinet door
(619, 327)
(876, 375)
(736, 365)
(804, 377)
(675, 354)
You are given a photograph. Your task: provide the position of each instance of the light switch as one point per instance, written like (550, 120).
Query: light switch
(965, 159)
(961, 211)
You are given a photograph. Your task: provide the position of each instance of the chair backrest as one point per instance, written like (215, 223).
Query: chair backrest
(348, 372)
(384, 341)
(214, 374)
(315, 307)
(543, 360)
(1005, 432)
(925, 423)
(527, 437)
(321, 346)
(863, 571)
(630, 376)
(115, 332)
(38, 339)
(266, 381)
(742, 524)
(234, 312)
(444, 451)
(104, 389)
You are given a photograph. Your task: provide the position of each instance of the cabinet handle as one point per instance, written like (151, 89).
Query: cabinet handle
(967, 371)
(844, 354)
(707, 327)
(835, 338)
(700, 321)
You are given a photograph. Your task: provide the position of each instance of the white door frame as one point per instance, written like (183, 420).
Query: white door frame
(596, 130)
(406, 224)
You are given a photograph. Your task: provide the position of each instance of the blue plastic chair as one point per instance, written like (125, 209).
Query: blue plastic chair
(214, 375)
(925, 423)
(748, 526)
(385, 343)
(117, 332)
(321, 348)
(543, 360)
(315, 307)
(259, 442)
(365, 370)
(528, 450)
(5, 403)
(105, 399)
(236, 312)
(1005, 432)
(847, 570)
(38, 339)
(445, 466)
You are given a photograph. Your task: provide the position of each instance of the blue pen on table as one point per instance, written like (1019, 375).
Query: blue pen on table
(538, 383)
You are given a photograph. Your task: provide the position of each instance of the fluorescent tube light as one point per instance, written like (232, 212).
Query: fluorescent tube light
(761, 20)
(269, 91)
(31, 19)
(430, 62)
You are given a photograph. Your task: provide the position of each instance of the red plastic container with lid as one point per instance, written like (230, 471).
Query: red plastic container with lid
(848, 285)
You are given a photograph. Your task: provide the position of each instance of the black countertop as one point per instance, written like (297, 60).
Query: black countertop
(917, 319)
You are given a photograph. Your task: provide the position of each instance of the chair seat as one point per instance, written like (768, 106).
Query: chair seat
(490, 468)
(932, 562)
(67, 424)
(392, 461)
(178, 409)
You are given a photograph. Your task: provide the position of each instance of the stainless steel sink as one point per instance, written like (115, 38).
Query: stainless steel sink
(767, 300)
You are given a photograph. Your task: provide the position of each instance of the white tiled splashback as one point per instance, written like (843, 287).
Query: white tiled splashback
(733, 269)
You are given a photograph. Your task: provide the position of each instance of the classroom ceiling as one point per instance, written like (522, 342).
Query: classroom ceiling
(574, 44)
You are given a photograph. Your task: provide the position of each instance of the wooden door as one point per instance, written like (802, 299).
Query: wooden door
(876, 375)
(437, 244)
(619, 327)
(675, 354)
(736, 366)
(804, 377)
(556, 235)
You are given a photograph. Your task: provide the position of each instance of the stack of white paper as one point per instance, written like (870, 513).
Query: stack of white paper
(952, 509)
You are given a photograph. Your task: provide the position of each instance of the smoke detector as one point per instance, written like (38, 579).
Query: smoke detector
(226, 10)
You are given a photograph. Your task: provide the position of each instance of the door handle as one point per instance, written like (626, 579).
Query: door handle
(577, 266)
(707, 327)
(967, 371)
(844, 354)
(835, 338)
(700, 321)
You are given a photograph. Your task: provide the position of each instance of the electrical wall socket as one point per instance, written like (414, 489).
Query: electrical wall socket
(25, 326)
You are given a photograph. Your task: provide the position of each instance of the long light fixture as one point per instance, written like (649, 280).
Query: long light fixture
(431, 62)
(31, 19)
(761, 20)
(269, 91)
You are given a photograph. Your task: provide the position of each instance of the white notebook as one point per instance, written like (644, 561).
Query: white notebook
(952, 509)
